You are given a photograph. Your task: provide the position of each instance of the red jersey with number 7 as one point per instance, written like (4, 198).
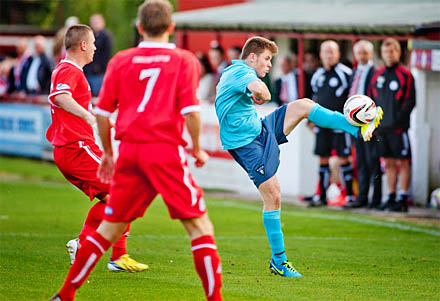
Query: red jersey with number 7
(152, 86)
(66, 128)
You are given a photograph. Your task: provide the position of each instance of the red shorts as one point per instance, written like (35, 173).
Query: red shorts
(79, 162)
(144, 170)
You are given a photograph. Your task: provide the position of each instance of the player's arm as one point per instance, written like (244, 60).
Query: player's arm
(106, 169)
(66, 102)
(409, 101)
(193, 125)
(260, 91)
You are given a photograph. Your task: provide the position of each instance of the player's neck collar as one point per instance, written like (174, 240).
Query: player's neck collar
(150, 44)
(73, 63)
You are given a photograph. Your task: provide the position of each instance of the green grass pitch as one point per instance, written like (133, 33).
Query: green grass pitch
(342, 256)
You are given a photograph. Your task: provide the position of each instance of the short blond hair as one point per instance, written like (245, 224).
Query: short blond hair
(75, 34)
(257, 45)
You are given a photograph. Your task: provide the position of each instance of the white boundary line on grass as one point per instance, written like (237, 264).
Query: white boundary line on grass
(335, 217)
(218, 237)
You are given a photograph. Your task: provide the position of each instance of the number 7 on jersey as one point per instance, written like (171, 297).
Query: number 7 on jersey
(153, 74)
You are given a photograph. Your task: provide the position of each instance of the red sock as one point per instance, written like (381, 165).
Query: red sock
(88, 255)
(208, 266)
(120, 246)
(93, 220)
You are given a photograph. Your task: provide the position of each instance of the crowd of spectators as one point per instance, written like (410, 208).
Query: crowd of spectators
(25, 73)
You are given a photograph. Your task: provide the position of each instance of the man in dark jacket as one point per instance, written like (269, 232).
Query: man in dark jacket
(36, 71)
(104, 43)
(330, 85)
(392, 88)
(367, 152)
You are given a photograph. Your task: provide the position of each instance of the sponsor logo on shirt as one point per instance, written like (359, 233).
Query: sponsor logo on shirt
(380, 82)
(151, 59)
(63, 87)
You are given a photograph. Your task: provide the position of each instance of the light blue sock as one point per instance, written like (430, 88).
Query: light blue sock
(272, 224)
(326, 118)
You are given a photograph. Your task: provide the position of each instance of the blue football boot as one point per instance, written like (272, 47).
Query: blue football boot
(285, 269)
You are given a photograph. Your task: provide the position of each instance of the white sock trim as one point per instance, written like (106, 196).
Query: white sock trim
(85, 268)
(201, 246)
(210, 274)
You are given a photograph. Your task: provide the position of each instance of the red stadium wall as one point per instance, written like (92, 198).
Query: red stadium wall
(183, 5)
(199, 41)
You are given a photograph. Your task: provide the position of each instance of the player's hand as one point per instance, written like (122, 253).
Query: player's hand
(201, 157)
(106, 169)
(257, 101)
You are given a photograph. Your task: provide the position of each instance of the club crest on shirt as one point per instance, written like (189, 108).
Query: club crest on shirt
(63, 86)
(260, 170)
(333, 82)
(393, 85)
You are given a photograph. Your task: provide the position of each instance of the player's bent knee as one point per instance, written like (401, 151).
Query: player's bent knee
(112, 231)
(301, 107)
(199, 226)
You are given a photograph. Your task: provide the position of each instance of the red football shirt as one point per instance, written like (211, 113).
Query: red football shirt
(67, 128)
(152, 86)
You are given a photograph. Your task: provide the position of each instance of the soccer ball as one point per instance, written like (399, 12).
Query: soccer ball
(359, 110)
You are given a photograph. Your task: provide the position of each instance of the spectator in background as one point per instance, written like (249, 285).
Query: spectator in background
(58, 50)
(206, 90)
(104, 43)
(286, 87)
(392, 88)
(37, 69)
(15, 76)
(6, 64)
(330, 85)
(217, 59)
(367, 152)
(233, 54)
(311, 63)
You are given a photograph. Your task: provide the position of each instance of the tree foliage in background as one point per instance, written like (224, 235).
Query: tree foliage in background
(120, 16)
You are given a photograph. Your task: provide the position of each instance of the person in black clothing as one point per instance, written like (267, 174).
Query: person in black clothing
(37, 69)
(330, 85)
(104, 42)
(392, 88)
(367, 152)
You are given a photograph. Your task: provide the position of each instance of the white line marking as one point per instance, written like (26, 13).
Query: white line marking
(336, 217)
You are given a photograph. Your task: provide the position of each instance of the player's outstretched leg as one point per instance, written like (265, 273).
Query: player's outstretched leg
(326, 118)
(279, 265)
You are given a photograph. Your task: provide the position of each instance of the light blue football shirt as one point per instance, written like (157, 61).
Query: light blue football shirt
(239, 122)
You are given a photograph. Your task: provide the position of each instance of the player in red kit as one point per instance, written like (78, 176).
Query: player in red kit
(75, 153)
(153, 86)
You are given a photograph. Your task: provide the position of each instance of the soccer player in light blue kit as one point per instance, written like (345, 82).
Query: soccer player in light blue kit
(253, 143)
